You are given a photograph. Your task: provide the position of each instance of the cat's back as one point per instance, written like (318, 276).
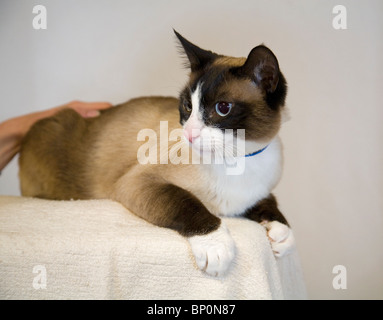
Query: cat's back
(67, 156)
(51, 156)
(141, 112)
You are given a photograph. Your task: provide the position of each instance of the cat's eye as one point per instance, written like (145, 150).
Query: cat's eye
(187, 106)
(223, 108)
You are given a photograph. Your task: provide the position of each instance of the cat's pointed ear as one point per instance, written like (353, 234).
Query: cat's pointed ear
(262, 67)
(198, 58)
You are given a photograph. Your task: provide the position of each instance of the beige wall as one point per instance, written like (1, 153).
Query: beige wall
(331, 189)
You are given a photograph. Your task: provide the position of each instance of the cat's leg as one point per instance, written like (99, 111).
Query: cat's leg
(266, 212)
(167, 205)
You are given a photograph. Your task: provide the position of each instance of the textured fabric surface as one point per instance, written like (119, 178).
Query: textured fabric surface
(99, 250)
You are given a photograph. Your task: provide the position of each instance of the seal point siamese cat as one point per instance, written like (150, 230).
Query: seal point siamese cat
(164, 180)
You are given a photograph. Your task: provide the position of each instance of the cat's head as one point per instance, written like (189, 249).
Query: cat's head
(231, 93)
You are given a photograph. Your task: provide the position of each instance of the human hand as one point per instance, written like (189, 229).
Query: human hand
(12, 131)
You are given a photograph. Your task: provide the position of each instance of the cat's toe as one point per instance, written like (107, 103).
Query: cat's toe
(214, 251)
(281, 238)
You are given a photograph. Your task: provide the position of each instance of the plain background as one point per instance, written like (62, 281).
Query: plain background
(331, 190)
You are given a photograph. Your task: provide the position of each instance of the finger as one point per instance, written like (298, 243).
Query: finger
(88, 105)
(91, 114)
(98, 105)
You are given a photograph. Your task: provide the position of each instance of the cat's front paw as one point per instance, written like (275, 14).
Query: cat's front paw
(214, 251)
(281, 238)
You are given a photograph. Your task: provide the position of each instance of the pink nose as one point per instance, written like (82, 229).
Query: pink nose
(191, 134)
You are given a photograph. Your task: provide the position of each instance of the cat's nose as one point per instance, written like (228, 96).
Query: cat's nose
(191, 135)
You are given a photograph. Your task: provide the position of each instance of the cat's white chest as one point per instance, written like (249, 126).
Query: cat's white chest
(232, 194)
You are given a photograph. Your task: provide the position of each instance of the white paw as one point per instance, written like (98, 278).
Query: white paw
(214, 251)
(281, 238)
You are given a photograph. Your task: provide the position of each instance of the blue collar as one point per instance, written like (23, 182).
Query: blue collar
(256, 152)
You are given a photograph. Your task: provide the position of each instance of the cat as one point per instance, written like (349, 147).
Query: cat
(68, 157)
